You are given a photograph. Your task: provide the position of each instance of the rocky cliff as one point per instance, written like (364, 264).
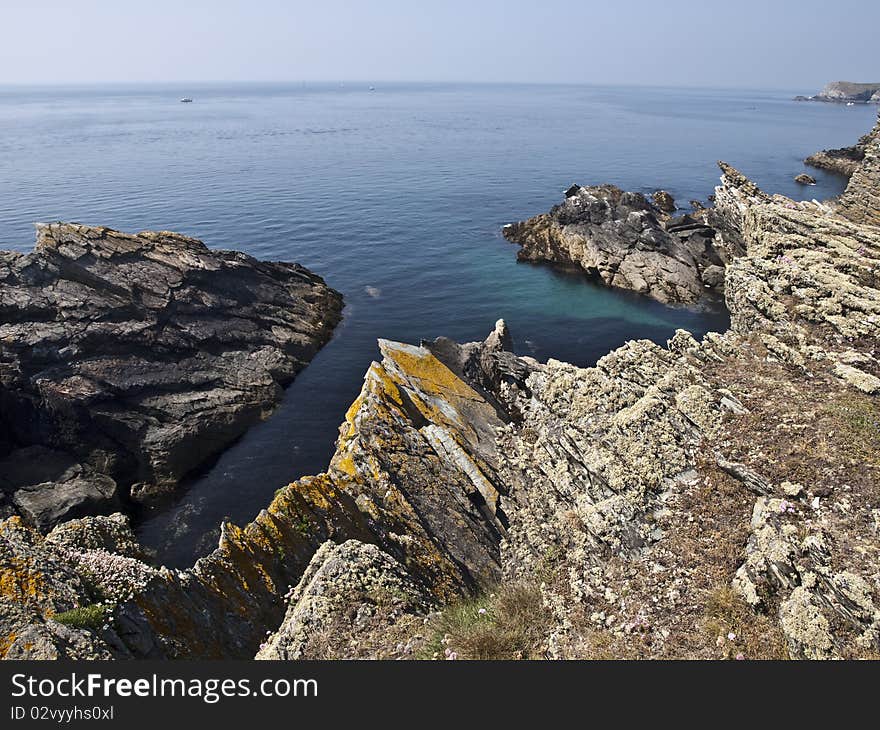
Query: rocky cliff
(128, 360)
(860, 201)
(714, 499)
(845, 92)
(415, 473)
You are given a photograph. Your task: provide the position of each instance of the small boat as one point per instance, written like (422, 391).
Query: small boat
(186, 100)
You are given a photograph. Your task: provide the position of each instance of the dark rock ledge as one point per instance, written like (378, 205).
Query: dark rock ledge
(127, 361)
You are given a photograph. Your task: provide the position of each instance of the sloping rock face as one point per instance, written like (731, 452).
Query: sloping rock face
(414, 474)
(846, 160)
(626, 242)
(656, 458)
(714, 499)
(131, 359)
(861, 199)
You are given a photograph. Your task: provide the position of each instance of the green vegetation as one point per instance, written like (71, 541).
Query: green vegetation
(86, 617)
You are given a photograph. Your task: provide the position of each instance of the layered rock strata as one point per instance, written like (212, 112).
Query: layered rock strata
(860, 201)
(414, 475)
(128, 360)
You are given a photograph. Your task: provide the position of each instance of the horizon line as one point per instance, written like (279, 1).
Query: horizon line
(303, 82)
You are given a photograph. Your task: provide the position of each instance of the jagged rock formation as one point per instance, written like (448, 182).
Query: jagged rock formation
(128, 360)
(804, 179)
(414, 473)
(638, 450)
(861, 199)
(846, 160)
(714, 499)
(664, 201)
(626, 242)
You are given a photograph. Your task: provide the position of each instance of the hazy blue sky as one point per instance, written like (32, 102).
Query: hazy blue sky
(797, 44)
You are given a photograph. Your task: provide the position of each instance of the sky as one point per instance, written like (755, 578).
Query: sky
(777, 44)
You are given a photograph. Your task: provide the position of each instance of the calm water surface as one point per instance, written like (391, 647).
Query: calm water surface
(397, 198)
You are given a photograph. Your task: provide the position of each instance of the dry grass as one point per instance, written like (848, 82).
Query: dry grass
(510, 623)
(757, 636)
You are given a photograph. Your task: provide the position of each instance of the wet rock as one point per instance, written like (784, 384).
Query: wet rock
(804, 179)
(48, 487)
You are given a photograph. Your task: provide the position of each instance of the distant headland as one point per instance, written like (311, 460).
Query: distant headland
(846, 92)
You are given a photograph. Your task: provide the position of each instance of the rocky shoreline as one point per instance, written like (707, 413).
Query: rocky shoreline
(713, 499)
(845, 160)
(126, 361)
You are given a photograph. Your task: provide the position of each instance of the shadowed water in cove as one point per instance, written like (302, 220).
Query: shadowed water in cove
(397, 198)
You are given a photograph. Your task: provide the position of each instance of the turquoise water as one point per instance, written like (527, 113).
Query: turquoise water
(397, 198)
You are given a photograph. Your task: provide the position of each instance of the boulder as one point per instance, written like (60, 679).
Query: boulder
(49, 487)
(664, 201)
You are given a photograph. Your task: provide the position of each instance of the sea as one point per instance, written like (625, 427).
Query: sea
(396, 195)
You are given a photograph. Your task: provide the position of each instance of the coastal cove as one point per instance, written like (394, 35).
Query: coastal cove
(397, 199)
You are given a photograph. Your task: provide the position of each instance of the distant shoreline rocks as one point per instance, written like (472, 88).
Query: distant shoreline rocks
(846, 92)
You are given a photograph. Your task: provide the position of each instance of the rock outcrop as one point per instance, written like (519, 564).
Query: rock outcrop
(128, 360)
(625, 241)
(846, 160)
(656, 453)
(860, 201)
(414, 474)
(349, 594)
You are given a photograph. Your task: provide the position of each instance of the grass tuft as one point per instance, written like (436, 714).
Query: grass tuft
(508, 624)
(86, 617)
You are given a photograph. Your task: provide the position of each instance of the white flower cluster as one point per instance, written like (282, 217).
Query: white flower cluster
(117, 577)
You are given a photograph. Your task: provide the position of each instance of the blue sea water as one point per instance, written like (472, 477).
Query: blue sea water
(397, 197)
